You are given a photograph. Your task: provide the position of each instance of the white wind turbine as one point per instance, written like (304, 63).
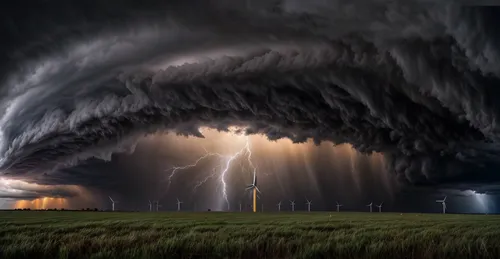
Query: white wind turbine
(338, 206)
(179, 204)
(380, 207)
(279, 206)
(157, 205)
(292, 203)
(370, 205)
(112, 203)
(443, 202)
(308, 205)
(253, 188)
(150, 206)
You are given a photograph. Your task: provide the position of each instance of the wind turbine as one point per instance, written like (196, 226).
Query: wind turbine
(157, 205)
(150, 206)
(240, 206)
(279, 206)
(370, 205)
(253, 187)
(338, 206)
(380, 207)
(292, 203)
(308, 205)
(179, 204)
(112, 204)
(443, 202)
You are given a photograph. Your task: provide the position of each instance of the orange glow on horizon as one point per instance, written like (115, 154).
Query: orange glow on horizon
(42, 203)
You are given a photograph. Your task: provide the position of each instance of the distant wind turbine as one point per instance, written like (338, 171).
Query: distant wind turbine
(179, 204)
(150, 206)
(279, 206)
(338, 206)
(370, 205)
(112, 203)
(292, 203)
(380, 207)
(240, 206)
(308, 205)
(253, 187)
(157, 205)
(443, 202)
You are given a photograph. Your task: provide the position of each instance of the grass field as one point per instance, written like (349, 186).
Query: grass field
(245, 235)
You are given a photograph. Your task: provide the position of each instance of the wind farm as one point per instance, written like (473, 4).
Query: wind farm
(333, 233)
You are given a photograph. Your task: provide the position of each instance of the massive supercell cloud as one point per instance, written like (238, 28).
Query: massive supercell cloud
(414, 80)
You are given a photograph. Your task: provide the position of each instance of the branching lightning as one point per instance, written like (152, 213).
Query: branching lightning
(200, 183)
(220, 170)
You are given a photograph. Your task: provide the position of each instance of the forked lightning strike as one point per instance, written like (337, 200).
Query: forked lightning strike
(229, 159)
(200, 183)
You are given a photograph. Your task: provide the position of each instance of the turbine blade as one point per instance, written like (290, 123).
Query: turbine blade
(257, 190)
(445, 198)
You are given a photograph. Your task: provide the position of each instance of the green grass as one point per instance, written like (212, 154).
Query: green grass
(247, 235)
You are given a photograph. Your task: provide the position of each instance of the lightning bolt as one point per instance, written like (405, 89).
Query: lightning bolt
(200, 183)
(226, 162)
(175, 169)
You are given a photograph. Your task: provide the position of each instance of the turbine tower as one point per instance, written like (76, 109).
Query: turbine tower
(443, 202)
(253, 187)
(240, 206)
(370, 205)
(338, 206)
(279, 206)
(157, 205)
(308, 205)
(292, 203)
(112, 204)
(150, 206)
(380, 207)
(179, 204)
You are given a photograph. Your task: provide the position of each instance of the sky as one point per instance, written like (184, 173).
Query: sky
(351, 101)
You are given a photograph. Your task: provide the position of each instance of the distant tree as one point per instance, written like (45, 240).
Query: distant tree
(209, 210)
(96, 209)
(62, 209)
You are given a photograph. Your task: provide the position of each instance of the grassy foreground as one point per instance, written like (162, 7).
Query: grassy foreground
(246, 235)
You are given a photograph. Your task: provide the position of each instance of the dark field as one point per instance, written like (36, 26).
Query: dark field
(247, 235)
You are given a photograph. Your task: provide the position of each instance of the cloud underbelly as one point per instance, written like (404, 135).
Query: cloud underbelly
(414, 90)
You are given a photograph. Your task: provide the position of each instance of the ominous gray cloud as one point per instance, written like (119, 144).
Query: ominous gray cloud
(415, 80)
(14, 189)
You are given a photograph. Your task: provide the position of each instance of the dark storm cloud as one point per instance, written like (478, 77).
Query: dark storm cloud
(21, 190)
(414, 80)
